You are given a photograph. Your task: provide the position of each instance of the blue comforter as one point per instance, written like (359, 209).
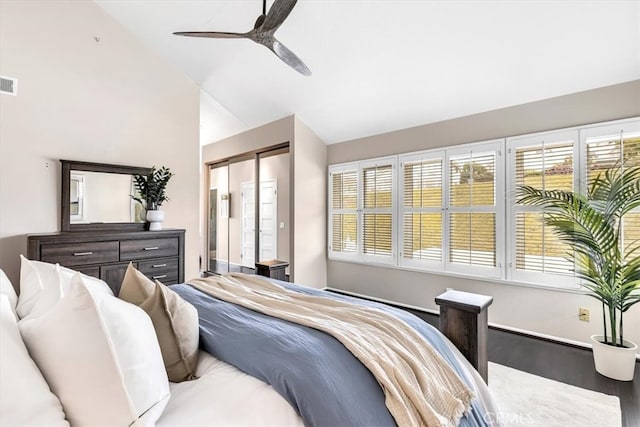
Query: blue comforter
(313, 371)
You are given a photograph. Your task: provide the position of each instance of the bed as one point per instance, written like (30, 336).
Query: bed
(244, 375)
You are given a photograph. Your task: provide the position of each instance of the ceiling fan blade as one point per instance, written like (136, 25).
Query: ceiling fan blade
(287, 56)
(279, 11)
(259, 21)
(211, 34)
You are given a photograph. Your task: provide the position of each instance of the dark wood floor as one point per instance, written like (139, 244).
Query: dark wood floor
(222, 267)
(560, 362)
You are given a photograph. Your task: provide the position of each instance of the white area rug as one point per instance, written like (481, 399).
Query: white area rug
(529, 400)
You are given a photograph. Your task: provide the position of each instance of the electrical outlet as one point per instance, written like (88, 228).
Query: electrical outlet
(584, 314)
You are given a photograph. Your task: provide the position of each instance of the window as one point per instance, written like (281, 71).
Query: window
(377, 209)
(547, 162)
(344, 216)
(361, 211)
(605, 147)
(422, 210)
(451, 216)
(474, 212)
(453, 210)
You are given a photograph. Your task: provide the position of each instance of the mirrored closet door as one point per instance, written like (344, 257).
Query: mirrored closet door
(248, 215)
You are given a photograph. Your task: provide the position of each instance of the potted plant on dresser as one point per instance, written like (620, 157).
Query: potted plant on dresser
(609, 269)
(151, 193)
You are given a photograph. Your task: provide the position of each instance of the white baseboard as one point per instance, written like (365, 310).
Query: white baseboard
(496, 325)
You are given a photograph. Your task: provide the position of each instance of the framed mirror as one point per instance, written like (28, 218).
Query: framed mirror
(97, 196)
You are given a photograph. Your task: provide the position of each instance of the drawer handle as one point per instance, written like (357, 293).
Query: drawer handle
(158, 265)
(82, 253)
(162, 276)
(152, 248)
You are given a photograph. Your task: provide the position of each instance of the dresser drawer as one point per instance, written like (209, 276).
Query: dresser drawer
(71, 254)
(165, 268)
(148, 248)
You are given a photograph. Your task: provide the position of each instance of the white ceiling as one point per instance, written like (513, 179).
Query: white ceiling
(385, 65)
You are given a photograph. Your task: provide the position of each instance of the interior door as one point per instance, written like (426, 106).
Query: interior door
(248, 224)
(268, 248)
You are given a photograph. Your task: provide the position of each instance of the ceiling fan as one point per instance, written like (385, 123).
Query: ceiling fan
(263, 33)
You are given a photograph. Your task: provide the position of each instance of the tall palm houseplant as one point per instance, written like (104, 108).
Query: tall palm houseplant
(591, 224)
(150, 192)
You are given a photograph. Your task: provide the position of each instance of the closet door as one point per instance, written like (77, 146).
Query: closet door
(218, 219)
(242, 216)
(249, 211)
(274, 206)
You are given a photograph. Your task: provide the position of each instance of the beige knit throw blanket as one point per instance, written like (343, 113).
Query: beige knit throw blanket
(420, 388)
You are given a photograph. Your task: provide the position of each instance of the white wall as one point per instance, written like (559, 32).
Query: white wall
(310, 194)
(543, 311)
(108, 102)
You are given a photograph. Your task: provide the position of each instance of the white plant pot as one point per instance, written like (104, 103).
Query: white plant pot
(614, 362)
(155, 219)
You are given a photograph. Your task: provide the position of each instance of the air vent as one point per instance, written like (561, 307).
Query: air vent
(8, 85)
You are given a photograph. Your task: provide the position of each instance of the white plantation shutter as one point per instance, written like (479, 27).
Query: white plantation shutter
(343, 189)
(377, 210)
(453, 209)
(611, 146)
(474, 210)
(422, 210)
(545, 162)
(631, 232)
(361, 219)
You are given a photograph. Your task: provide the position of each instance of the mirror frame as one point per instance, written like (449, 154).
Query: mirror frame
(65, 202)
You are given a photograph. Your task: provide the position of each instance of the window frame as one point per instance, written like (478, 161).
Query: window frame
(603, 130)
(496, 146)
(340, 255)
(360, 211)
(421, 264)
(535, 140)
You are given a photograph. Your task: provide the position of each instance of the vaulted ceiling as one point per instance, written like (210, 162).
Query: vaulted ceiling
(379, 65)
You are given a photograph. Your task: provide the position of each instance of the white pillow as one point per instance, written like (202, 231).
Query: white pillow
(47, 297)
(6, 288)
(26, 398)
(36, 275)
(101, 357)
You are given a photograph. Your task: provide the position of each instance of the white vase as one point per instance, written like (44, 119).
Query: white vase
(155, 218)
(614, 362)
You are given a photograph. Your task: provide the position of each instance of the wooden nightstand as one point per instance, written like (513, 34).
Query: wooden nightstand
(463, 319)
(273, 269)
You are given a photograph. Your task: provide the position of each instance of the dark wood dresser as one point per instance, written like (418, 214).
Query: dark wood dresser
(106, 254)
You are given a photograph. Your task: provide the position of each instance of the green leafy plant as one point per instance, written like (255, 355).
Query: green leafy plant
(150, 188)
(591, 225)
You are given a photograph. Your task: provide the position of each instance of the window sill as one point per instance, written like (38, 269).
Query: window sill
(494, 280)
